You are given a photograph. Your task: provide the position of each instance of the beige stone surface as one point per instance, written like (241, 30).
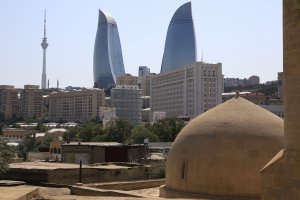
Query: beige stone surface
(53, 166)
(60, 194)
(62, 173)
(222, 151)
(281, 177)
(18, 192)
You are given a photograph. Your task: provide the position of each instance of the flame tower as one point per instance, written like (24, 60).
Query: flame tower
(44, 46)
(180, 45)
(108, 59)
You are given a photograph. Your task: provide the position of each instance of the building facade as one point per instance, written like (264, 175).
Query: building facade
(180, 46)
(107, 115)
(189, 91)
(127, 79)
(237, 82)
(9, 104)
(144, 71)
(31, 102)
(127, 100)
(145, 85)
(108, 59)
(81, 105)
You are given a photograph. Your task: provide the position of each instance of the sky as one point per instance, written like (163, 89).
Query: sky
(245, 36)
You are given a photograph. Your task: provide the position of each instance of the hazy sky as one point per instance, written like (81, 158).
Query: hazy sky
(245, 36)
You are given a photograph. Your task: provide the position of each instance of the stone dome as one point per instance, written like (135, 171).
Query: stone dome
(222, 151)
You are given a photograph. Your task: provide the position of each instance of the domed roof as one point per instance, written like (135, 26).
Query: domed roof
(222, 151)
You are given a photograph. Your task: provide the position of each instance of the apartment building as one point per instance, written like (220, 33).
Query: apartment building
(9, 101)
(31, 102)
(81, 105)
(190, 90)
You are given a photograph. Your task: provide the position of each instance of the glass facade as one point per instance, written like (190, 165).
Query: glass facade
(108, 59)
(180, 46)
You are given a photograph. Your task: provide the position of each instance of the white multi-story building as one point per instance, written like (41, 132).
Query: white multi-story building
(189, 91)
(127, 100)
(107, 114)
(81, 105)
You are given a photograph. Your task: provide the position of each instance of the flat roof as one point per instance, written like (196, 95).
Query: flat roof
(54, 166)
(93, 144)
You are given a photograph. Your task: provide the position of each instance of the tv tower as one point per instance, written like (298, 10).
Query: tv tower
(44, 46)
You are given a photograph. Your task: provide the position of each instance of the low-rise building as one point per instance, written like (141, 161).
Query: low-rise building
(55, 134)
(15, 133)
(256, 98)
(98, 152)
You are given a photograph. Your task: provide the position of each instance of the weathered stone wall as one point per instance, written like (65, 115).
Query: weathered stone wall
(281, 177)
(71, 176)
(88, 154)
(132, 185)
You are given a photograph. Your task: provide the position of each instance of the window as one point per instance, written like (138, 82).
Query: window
(184, 170)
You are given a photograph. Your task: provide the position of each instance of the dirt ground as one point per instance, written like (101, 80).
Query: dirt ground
(46, 193)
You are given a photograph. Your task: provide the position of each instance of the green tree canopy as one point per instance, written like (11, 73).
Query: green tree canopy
(6, 156)
(40, 127)
(28, 144)
(167, 129)
(118, 131)
(139, 133)
(88, 131)
(70, 134)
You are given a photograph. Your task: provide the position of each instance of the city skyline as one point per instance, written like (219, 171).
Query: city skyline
(242, 41)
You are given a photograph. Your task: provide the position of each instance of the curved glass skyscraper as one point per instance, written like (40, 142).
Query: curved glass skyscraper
(180, 46)
(108, 59)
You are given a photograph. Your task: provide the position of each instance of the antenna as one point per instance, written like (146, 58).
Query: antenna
(202, 56)
(45, 24)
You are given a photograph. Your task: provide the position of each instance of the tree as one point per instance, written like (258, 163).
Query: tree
(70, 134)
(86, 134)
(139, 133)
(89, 130)
(40, 128)
(118, 131)
(167, 129)
(6, 156)
(28, 144)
